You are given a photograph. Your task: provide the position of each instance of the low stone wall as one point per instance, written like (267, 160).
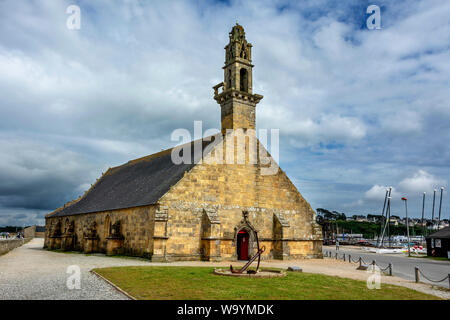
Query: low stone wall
(8, 245)
(31, 232)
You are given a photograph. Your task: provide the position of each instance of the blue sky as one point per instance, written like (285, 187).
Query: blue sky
(357, 109)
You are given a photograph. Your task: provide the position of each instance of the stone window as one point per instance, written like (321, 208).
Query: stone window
(244, 80)
(107, 226)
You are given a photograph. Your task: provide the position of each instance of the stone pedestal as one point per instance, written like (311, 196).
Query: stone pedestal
(114, 246)
(90, 244)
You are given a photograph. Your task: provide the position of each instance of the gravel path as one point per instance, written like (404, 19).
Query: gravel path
(29, 272)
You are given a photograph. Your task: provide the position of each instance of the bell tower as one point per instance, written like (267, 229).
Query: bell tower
(237, 101)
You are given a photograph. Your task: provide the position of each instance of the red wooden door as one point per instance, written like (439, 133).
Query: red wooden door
(243, 245)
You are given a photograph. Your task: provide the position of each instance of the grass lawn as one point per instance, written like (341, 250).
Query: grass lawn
(198, 283)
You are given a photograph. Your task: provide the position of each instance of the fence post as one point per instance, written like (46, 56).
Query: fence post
(416, 273)
(390, 269)
(350, 258)
(360, 262)
(343, 257)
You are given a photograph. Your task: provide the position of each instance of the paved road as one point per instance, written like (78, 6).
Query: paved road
(30, 273)
(402, 265)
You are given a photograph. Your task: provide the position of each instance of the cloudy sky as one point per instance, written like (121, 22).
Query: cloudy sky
(357, 109)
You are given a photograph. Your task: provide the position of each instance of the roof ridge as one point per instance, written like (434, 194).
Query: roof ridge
(69, 203)
(157, 154)
(158, 167)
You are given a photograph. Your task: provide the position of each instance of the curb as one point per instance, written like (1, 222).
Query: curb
(113, 285)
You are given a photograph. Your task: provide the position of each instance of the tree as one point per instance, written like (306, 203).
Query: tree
(326, 214)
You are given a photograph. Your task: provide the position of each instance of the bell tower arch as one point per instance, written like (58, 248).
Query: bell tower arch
(237, 101)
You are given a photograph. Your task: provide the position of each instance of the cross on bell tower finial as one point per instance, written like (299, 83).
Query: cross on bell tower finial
(237, 100)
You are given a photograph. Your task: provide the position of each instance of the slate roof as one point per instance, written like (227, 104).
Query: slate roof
(137, 183)
(443, 233)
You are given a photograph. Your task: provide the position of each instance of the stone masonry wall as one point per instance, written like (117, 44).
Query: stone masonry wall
(200, 216)
(136, 230)
(230, 189)
(8, 245)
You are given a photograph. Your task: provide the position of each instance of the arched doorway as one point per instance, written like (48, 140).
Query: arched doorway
(242, 245)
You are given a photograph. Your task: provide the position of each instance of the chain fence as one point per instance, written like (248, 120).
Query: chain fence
(418, 273)
(388, 269)
(361, 261)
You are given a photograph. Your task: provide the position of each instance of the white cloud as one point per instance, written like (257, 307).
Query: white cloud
(378, 193)
(135, 71)
(421, 181)
(328, 128)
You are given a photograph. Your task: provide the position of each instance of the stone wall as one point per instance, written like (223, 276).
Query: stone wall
(92, 232)
(284, 221)
(30, 232)
(200, 216)
(8, 245)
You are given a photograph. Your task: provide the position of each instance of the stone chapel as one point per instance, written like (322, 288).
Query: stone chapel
(211, 208)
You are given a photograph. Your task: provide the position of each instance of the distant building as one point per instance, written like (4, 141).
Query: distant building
(438, 243)
(400, 238)
(393, 221)
(361, 218)
(374, 218)
(349, 236)
(436, 225)
(417, 238)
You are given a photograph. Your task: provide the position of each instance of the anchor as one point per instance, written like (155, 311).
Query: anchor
(257, 255)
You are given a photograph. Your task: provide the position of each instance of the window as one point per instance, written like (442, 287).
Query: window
(244, 80)
(107, 226)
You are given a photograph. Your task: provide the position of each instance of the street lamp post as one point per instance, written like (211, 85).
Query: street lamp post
(388, 222)
(407, 224)
(432, 212)
(423, 212)
(440, 206)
